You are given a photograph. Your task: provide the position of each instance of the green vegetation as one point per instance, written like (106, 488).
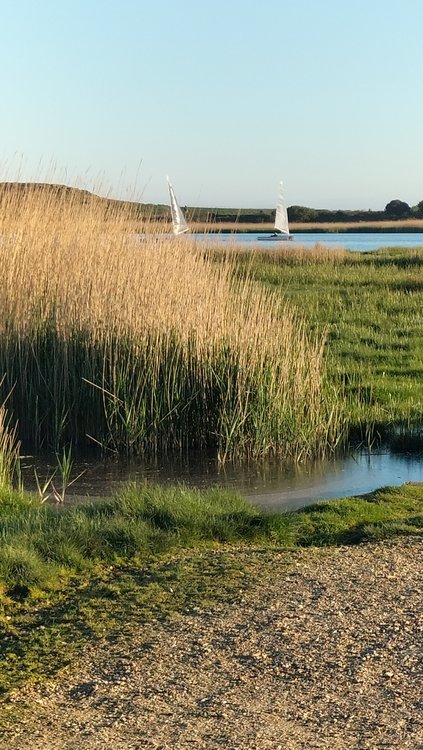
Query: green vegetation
(160, 346)
(147, 347)
(394, 210)
(151, 347)
(371, 305)
(72, 574)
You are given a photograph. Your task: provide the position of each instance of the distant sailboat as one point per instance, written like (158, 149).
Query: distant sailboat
(281, 221)
(178, 219)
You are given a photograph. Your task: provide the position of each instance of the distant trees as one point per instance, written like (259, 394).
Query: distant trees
(397, 209)
(302, 213)
(418, 210)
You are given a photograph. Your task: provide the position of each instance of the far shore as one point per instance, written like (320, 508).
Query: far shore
(409, 226)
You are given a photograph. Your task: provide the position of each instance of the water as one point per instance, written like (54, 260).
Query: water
(272, 485)
(358, 241)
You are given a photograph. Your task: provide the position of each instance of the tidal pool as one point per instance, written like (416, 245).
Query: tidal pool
(273, 485)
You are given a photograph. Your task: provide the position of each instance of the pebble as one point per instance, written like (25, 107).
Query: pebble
(339, 667)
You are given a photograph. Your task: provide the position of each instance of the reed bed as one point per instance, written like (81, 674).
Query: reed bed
(287, 254)
(145, 344)
(388, 225)
(402, 225)
(10, 474)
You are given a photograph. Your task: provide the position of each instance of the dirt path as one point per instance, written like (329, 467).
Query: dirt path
(326, 655)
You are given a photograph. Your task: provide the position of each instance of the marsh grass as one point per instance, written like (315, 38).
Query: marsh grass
(48, 489)
(149, 346)
(43, 546)
(41, 543)
(371, 305)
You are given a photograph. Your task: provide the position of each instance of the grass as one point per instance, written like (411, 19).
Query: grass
(41, 543)
(147, 347)
(71, 575)
(371, 305)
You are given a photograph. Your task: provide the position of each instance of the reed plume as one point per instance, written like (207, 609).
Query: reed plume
(147, 346)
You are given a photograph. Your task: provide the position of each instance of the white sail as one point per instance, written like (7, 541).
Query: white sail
(178, 219)
(281, 219)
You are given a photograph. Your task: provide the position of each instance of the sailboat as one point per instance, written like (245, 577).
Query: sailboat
(281, 221)
(178, 219)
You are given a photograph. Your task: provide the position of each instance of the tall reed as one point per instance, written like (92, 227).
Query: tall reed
(147, 346)
(10, 474)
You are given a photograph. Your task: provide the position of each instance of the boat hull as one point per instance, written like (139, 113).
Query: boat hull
(277, 238)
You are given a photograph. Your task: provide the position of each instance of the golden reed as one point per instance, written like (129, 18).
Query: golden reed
(113, 331)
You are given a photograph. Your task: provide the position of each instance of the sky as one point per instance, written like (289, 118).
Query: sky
(226, 97)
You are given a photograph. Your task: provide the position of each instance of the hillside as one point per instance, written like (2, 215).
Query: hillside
(302, 219)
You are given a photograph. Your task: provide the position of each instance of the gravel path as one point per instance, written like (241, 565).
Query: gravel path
(326, 654)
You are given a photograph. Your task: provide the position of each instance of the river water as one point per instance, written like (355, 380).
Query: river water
(357, 241)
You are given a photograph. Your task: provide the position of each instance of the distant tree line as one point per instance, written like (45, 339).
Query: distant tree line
(395, 209)
(244, 215)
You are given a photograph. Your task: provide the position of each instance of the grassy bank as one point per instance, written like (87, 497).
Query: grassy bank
(372, 307)
(405, 225)
(145, 347)
(71, 575)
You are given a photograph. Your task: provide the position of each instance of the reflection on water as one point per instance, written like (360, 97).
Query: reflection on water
(272, 485)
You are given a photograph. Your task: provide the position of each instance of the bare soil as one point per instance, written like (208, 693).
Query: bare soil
(323, 653)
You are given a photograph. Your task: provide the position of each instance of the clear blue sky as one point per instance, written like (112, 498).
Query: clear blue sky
(227, 97)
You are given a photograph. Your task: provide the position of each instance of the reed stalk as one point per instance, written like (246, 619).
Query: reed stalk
(149, 346)
(10, 469)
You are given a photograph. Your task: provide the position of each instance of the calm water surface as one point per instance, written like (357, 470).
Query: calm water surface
(273, 486)
(359, 241)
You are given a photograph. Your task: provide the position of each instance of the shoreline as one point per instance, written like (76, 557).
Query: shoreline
(358, 228)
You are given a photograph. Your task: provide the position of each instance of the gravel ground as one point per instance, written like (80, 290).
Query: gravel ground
(326, 654)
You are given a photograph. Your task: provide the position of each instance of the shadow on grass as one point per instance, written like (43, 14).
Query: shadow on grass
(209, 547)
(47, 636)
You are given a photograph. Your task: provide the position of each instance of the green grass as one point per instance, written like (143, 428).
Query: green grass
(371, 305)
(69, 575)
